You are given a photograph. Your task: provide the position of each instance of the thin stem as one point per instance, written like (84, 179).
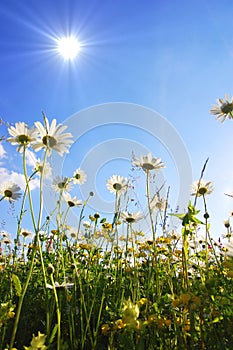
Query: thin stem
(58, 313)
(149, 205)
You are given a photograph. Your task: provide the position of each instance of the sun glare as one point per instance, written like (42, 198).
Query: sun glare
(68, 47)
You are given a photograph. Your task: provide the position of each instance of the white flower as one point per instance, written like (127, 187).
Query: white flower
(52, 137)
(229, 248)
(22, 135)
(61, 286)
(5, 234)
(72, 202)
(10, 191)
(6, 238)
(40, 167)
(200, 188)
(73, 232)
(61, 183)
(26, 233)
(158, 203)
(130, 217)
(87, 224)
(224, 109)
(148, 163)
(117, 183)
(79, 177)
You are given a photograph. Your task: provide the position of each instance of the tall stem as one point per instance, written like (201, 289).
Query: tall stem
(149, 205)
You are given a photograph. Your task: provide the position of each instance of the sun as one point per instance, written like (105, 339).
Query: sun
(68, 47)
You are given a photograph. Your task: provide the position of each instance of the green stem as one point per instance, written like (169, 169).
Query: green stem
(58, 314)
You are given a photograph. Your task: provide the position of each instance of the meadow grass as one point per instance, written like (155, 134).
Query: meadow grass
(107, 285)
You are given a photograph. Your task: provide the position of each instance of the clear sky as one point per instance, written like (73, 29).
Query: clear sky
(174, 57)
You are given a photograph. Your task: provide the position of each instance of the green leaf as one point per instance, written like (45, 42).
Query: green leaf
(54, 331)
(17, 285)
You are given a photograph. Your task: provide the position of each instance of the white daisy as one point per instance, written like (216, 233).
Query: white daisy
(61, 183)
(148, 163)
(26, 233)
(59, 286)
(87, 224)
(45, 167)
(73, 232)
(6, 240)
(10, 191)
(158, 203)
(5, 234)
(201, 187)
(79, 177)
(117, 183)
(22, 136)
(52, 137)
(72, 202)
(224, 109)
(130, 217)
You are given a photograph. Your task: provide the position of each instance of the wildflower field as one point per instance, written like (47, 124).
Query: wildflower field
(105, 284)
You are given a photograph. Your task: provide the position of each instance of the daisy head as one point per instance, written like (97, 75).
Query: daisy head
(72, 202)
(117, 183)
(22, 136)
(131, 217)
(43, 168)
(148, 163)
(158, 204)
(10, 191)
(52, 137)
(79, 177)
(26, 233)
(224, 109)
(200, 188)
(61, 184)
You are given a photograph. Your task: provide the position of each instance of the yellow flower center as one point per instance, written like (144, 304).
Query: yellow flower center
(130, 219)
(23, 139)
(147, 166)
(117, 186)
(8, 193)
(202, 190)
(49, 141)
(227, 108)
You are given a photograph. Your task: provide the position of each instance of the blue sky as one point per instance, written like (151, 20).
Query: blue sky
(174, 57)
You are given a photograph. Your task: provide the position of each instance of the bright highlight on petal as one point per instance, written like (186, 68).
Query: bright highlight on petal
(68, 47)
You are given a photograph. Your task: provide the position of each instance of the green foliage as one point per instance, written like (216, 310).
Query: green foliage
(106, 286)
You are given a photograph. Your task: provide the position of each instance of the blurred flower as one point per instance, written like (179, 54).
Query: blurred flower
(52, 137)
(158, 203)
(45, 167)
(5, 237)
(61, 183)
(10, 191)
(229, 248)
(22, 135)
(117, 183)
(87, 224)
(73, 232)
(201, 187)
(130, 313)
(72, 202)
(148, 163)
(224, 109)
(79, 177)
(130, 217)
(227, 223)
(37, 342)
(26, 233)
(61, 286)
